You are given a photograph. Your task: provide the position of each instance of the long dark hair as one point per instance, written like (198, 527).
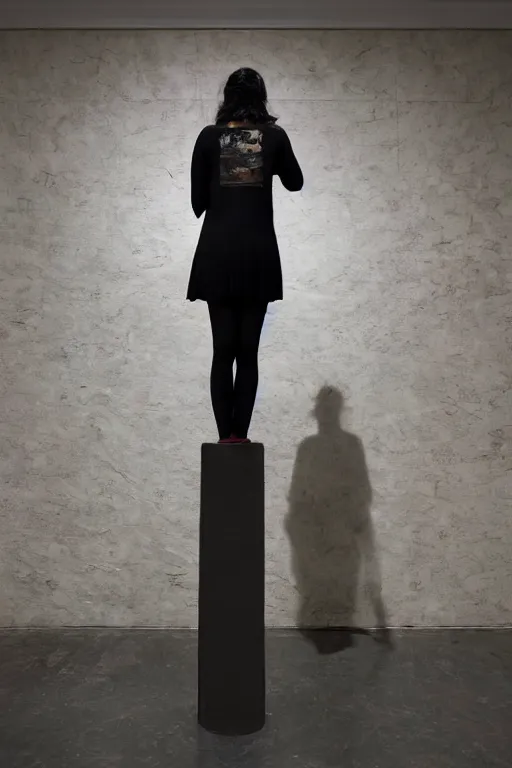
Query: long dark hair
(245, 99)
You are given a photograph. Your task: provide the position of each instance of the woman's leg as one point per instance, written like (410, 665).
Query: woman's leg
(223, 321)
(249, 324)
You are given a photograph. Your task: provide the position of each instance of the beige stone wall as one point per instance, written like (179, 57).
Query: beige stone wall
(397, 266)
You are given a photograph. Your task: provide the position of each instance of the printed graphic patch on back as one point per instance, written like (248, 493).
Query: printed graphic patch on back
(241, 158)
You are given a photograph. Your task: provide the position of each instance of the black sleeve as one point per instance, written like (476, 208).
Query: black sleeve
(287, 166)
(200, 175)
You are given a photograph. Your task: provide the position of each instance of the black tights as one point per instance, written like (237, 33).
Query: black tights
(236, 331)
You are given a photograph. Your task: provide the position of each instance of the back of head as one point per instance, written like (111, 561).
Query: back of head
(245, 99)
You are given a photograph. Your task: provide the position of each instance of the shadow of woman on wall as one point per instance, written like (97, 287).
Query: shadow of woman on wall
(331, 532)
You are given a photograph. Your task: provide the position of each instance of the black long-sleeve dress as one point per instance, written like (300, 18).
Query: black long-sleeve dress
(237, 256)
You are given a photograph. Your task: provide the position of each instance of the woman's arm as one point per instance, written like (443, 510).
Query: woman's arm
(200, 175)
(287, 166)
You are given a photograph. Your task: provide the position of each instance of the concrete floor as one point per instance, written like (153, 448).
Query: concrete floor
(94, 698)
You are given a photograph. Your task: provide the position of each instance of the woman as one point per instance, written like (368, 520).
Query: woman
(237, 267)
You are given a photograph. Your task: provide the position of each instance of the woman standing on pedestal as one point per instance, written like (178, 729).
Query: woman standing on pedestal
(237, 267)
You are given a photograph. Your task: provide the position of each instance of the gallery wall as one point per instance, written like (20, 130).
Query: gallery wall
(385, 398)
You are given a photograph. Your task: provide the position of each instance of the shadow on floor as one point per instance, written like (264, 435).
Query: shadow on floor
(331, 532)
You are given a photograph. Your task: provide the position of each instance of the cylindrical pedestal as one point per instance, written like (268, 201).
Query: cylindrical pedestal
(231, 654)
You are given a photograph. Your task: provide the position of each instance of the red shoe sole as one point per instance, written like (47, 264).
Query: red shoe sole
(234, 440)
